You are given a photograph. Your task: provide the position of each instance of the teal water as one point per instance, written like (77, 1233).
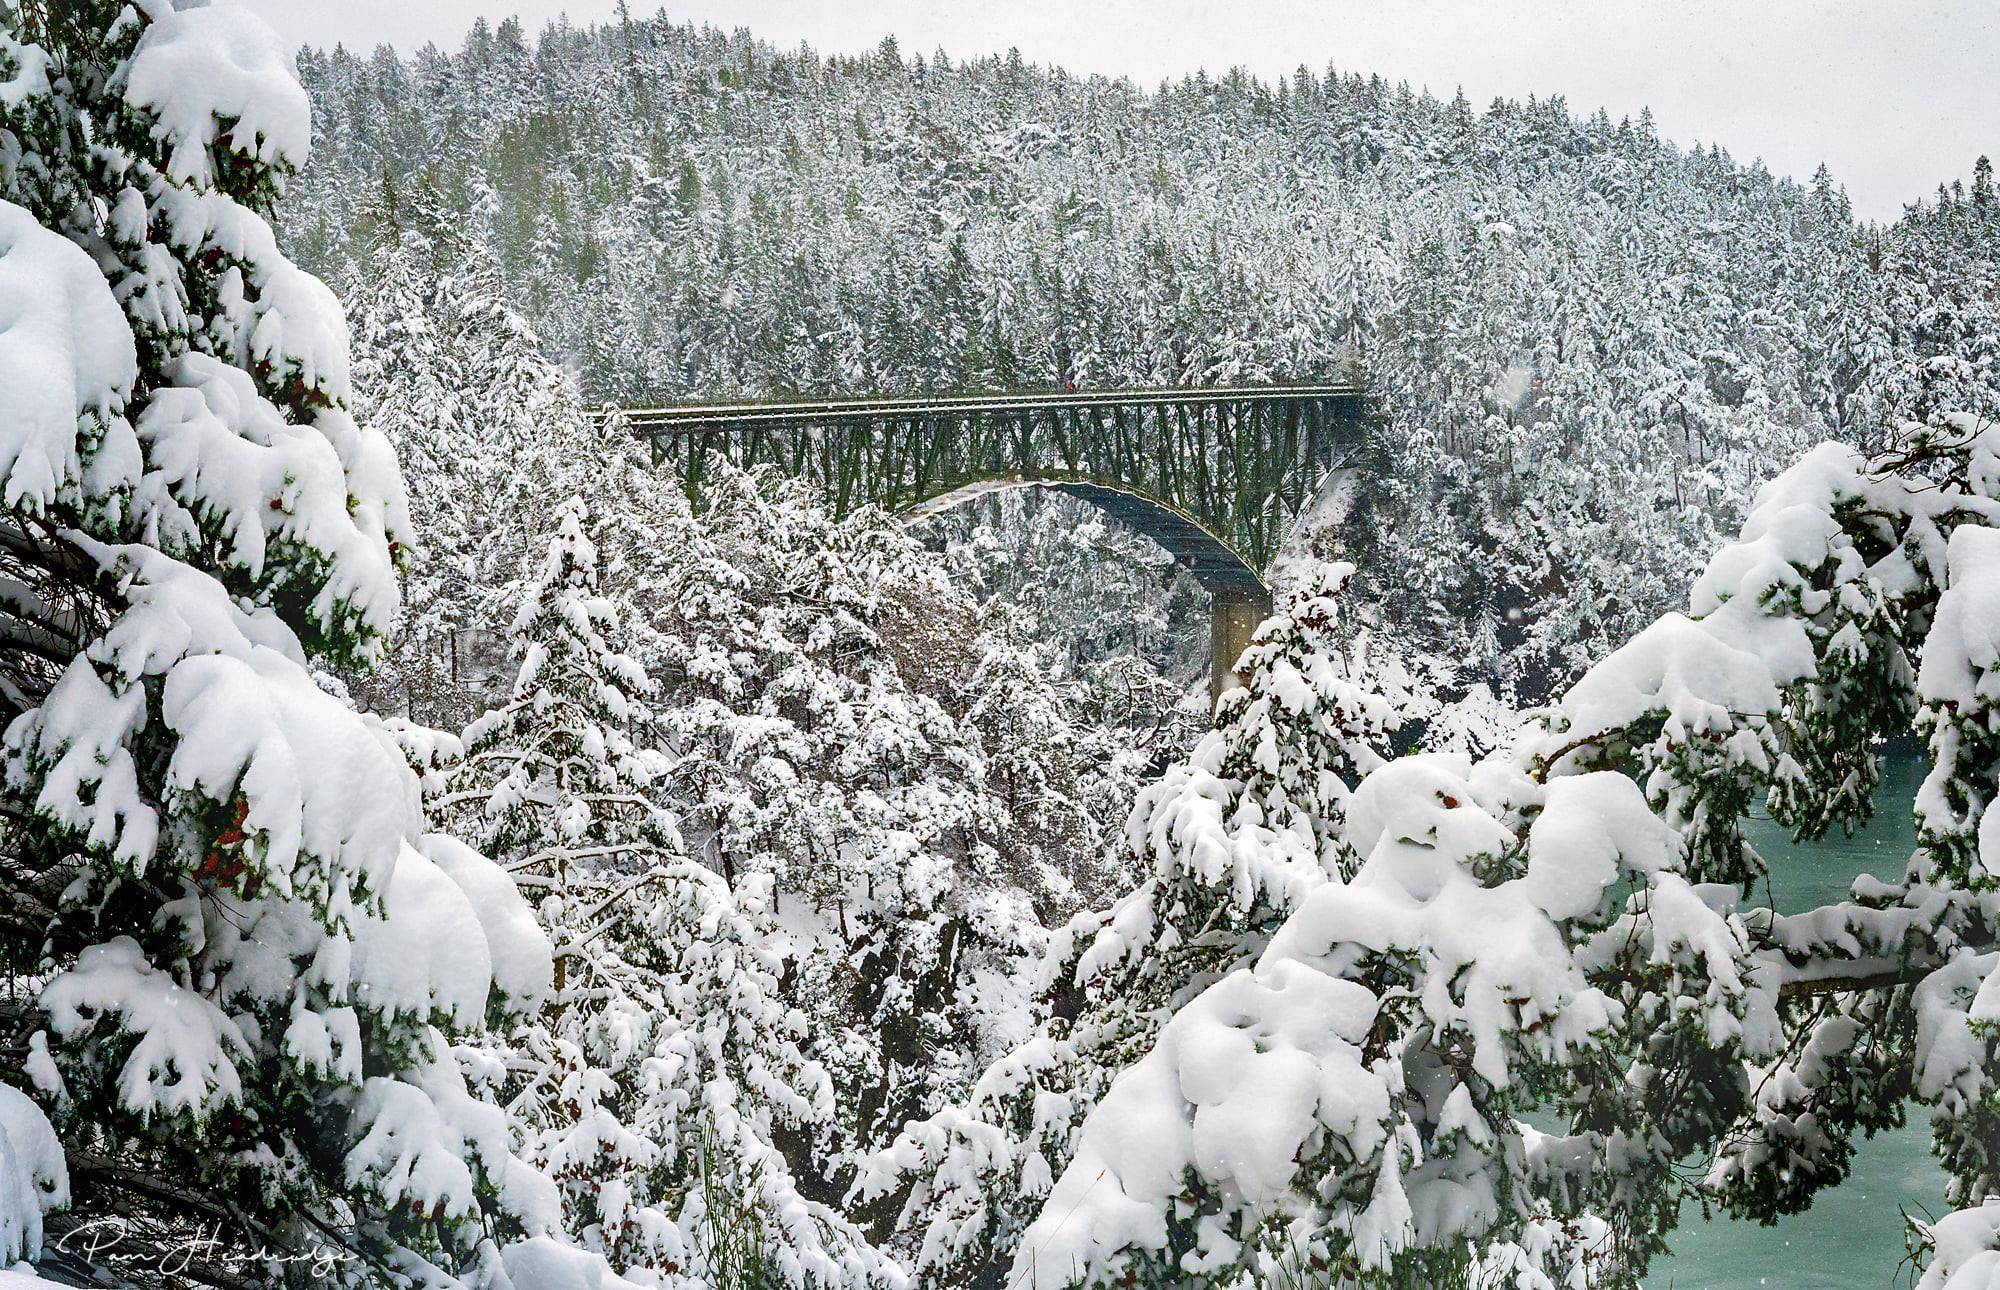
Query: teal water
(1852, 1237)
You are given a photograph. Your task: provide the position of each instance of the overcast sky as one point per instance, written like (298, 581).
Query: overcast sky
(1894, 95)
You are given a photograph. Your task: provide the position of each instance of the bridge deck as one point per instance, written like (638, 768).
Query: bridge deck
(760, 413)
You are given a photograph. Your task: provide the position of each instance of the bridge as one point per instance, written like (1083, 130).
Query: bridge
(1215, 475)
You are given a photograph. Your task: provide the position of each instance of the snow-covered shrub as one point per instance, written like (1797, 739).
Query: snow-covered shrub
(247, 955)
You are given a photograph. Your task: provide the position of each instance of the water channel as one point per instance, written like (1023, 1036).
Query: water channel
(1852, 1237)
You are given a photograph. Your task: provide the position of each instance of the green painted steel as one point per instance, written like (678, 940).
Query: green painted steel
(1216, 474)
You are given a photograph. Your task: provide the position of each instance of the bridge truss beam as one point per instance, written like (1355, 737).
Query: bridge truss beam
(1241, 462)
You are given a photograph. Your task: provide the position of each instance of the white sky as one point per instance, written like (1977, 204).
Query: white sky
(1894, 95)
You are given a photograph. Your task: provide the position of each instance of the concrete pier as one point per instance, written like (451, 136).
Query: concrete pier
(1234, 615)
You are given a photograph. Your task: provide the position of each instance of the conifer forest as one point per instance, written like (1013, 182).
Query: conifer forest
(452, 840)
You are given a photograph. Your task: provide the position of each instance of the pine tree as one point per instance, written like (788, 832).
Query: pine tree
(557, 773)
(414, 393)
(1535, 933)
(490, 427)
(808, 663)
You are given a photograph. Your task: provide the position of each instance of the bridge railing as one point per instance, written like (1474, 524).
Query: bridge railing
(746, 413)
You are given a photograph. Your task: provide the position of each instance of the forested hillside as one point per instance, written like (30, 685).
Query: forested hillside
(1588, 343)
(436, 850)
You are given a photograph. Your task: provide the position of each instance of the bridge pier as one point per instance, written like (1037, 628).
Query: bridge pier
(1234, 615)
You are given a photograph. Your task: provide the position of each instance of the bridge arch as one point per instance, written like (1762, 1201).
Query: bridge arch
(1238, 598)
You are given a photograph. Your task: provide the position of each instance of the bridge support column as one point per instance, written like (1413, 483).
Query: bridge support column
(1233, 619)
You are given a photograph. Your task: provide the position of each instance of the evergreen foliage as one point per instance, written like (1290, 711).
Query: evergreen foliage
(810, 953)
(1538, 932)
(239, 959)
(656, 1080)
(1226, 844)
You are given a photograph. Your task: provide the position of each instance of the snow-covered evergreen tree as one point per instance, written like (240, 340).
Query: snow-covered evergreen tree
(555, 779)
(1226, 844)
(817, 715)
(664, 1066)
(1347, 1108)
(412, 392)
(489, 428)
(244, 956)
(1534, 934)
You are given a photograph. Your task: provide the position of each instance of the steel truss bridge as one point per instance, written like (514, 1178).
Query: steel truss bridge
(1215, 475)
